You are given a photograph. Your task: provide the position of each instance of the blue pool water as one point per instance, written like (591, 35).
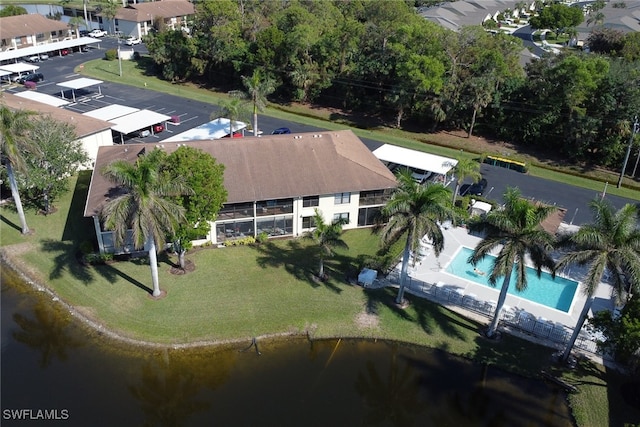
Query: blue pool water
(555, 293)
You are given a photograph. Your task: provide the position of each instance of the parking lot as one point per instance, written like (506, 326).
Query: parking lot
(194, 113)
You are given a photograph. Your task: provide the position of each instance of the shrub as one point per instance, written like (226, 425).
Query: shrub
(136, 55)
(111, 54)
(97, 258)
(262, 237)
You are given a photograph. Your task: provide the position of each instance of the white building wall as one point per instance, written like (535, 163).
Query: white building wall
(90, 143)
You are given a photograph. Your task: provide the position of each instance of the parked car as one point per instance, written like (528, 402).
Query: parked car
(281, 131)
(83, 33)
(97, 33)
(133, 40)
(420, 176)
(44, 56)
(33, 77)
(158, 128)
(33, 58)
(478, 188)
(64, 52)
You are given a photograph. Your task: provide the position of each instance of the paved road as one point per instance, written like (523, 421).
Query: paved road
(194, 113)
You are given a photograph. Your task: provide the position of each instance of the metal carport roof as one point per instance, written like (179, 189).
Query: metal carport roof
(214, 129)
(48, 47)
(80, 83)
(139, 120)
(111, 112)
(415, 159)
(43, 98)
(18, 67)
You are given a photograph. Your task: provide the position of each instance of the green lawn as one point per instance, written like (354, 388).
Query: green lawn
(242, 292)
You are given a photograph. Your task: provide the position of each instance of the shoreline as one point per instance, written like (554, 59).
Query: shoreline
(17, 267)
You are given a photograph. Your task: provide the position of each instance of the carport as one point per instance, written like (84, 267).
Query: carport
(111, 112)
(392, 154)
(139, 120)
(80, 83)
(19, 68)
(14, 54)
(54, 101)
(215, 129)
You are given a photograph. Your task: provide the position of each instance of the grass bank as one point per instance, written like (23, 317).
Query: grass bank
(138, 74)
(241, 292)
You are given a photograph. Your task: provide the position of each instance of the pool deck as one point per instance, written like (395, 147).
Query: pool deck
(432, 270)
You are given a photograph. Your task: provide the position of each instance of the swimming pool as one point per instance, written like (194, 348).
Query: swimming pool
(555, 293)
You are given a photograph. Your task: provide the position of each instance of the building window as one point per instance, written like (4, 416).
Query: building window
(274, 207)
(308, 222)
(310, 201)
(344, 216)
(375, 197)
(368, 216)
(342, 198)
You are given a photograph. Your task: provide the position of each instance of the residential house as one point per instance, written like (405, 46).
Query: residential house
(22, 31)
(139, 19)
(274, 184)
(93, 133)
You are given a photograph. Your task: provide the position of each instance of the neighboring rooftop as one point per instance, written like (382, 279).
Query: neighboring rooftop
(142, 12)
(84, 125)
(269, 167)
(23, 25)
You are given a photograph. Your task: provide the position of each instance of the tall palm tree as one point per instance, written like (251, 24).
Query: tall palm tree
(612, 243)
(327, 236)
(517, 231)
(14, 143)
(142, 208)
(465, 168)
(257, 89)
(416, 210)
(233, 109)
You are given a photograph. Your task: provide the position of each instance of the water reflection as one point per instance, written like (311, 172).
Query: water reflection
(298, 382)
(47, 332)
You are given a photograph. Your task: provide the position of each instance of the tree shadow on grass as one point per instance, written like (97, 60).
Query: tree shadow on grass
(301, 261)
(66, 260)
(77, 228)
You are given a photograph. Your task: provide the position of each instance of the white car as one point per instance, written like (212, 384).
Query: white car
(132, 40)
(97, 33)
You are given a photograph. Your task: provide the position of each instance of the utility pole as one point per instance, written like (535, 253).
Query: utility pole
(626, 157)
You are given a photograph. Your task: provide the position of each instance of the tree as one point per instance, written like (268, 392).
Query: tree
(12, 10)
(611, 243)
(109, 9)
(60, 155)
(327, 236)
(256, 91)
(516, 231)
(415, 210)
(558, 17)
(174, 52)
(465, 168)
(205, 176)
(233, 109)
(622, 331)
(143, 208)
(14, 143)
(75, 23)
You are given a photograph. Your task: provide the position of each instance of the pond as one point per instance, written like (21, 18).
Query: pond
(54, 368)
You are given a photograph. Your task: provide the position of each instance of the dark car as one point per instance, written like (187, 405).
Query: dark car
(281, 131)
(478, 188)
(33, 77)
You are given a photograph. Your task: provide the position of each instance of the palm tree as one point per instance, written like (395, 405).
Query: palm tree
(142, 208)
(75, 23)
(327, 236)
(416, 210)
(233, 109)
(257, 90)
(14, 143)
(612, 243)
(465, 168)
(516, 230)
